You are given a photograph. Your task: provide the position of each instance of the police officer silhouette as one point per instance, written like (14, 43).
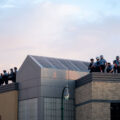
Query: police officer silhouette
(91, 66)
(103, 63)
(14, 74)
(5, 76)
(97, 65)
(117, 65)
(11, 75)
(109, 68)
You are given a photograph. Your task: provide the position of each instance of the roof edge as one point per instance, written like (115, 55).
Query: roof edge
(35, 61)
(58, 58)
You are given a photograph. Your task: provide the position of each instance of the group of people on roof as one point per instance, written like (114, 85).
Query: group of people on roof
(8, 76)
(101, 65)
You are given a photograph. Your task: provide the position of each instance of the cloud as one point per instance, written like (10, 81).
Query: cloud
(7, 6)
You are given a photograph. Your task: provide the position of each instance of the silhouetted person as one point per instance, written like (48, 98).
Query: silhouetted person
(103, 63)
(0, 80)
(91, 66)
(5, 77)
(109, 68)
(116, 65)
(15, 72)
(97, 65)
(11, 75)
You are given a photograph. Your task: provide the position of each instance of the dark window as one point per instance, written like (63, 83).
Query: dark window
(115, 111)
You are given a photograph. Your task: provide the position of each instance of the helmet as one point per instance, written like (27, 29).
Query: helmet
(4, 71)
(11, 69)
(101, 56)
(117, 57)
(91, 59)
(97, 58)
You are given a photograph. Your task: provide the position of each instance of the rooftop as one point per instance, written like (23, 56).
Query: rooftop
(66, 64)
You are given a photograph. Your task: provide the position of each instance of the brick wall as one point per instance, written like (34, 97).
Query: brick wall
(100, 111)
(106, 90)
(93, 96)
(84, 112)
(83, 93)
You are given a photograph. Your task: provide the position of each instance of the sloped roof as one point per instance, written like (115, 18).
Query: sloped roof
(57, 63)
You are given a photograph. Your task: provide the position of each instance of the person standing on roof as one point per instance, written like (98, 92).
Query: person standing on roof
(103, 63)
(97, 65)
(5, 77)
(11, 75)
(0, 80)
(117, 65)
(91, 66)
(14, 74)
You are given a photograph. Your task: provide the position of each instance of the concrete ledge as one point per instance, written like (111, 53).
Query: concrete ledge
(9, 87)
(98, 101)
(106, 77)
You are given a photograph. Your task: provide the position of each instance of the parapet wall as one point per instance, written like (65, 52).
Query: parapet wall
(8, 87)
(98, 77)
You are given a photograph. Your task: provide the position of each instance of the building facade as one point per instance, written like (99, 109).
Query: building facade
(41, 81)
(97, 97)
(9, 102)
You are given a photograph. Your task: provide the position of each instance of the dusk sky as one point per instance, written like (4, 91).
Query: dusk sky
(72, 29)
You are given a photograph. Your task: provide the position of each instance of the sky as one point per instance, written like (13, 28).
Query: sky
(70, 29)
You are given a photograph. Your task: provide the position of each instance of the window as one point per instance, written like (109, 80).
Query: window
(28, 109)
(52, 109)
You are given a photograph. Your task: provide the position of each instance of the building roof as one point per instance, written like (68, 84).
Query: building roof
(66, 64)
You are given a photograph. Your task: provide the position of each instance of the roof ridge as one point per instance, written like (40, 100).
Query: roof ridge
(59, 58)
(58, 63)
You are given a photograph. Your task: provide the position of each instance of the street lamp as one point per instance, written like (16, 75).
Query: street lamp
(65, 95)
